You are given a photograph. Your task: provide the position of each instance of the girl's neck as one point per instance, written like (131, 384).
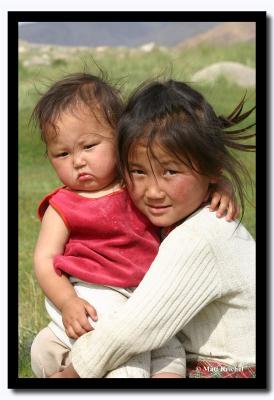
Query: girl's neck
(166, 231)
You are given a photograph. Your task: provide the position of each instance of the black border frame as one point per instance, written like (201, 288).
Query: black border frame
(262, 379)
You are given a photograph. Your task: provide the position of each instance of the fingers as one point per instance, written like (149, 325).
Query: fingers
(78, 328)
(75, 317)
(237, 213)
(216, 197)
(224, 204)
(75, 331)
(230, 213)
(91, 311)
(233, 212)
(222, 207)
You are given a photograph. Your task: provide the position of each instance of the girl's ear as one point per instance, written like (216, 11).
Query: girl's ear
(214, 179)
(218, 177)
(211, 185)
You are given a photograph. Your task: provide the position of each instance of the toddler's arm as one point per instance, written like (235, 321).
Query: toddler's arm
(51, 241)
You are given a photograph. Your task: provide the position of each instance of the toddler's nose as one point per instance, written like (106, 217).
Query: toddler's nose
(79, 160)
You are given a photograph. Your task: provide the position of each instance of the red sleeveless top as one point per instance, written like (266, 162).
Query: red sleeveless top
(110, 243)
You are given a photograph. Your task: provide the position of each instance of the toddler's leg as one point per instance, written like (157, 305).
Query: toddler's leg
(169, 361)
(48, 354)
(106, 301)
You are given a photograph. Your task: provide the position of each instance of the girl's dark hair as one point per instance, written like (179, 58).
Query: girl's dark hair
(74, 90)
(184, 123)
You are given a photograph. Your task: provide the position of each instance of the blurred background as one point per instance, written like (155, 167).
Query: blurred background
(218, 59)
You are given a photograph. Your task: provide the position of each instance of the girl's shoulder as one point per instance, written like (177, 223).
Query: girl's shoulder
(228, 243)
(204, 223)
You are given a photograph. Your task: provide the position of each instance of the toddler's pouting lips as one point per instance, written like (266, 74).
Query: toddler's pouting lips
(84, 177)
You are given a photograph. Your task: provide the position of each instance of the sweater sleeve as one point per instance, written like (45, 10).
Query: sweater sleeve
(181, 281)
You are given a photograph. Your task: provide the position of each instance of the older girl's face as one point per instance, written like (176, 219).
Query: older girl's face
(165, 190)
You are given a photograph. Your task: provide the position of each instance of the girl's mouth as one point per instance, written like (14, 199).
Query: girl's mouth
(157, 209)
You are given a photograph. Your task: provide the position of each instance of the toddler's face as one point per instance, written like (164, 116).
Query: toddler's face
(83, 152)
(165, 192)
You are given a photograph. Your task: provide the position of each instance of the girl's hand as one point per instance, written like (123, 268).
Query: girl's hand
(223, 200)
(75, 312)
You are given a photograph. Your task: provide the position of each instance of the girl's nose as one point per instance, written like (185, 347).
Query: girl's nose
(154, 191)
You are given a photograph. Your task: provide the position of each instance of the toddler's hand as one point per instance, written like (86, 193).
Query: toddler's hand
(223, 200)
(75, 312)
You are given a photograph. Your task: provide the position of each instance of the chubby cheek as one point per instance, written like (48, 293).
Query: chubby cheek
(109, 165)
(105, 162)
(107, 150)
(62, 171)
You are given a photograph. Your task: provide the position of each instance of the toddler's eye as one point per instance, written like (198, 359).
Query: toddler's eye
(89, 146)
(63, 154)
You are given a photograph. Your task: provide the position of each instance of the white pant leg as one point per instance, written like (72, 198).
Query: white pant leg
(169, 358)
(106, 301)
(137, 366)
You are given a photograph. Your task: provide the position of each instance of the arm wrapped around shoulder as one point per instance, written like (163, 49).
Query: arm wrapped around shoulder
(182, 279)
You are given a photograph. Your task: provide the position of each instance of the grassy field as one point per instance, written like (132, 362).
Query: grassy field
(36, 177)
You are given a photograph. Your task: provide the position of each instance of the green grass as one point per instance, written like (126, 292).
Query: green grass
(36, 177)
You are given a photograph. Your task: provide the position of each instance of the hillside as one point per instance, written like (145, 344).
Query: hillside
(223, 34)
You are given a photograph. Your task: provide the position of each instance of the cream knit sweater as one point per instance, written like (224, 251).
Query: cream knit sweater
(201, 285)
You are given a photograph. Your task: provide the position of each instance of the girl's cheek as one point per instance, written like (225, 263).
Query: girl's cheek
(135, 193)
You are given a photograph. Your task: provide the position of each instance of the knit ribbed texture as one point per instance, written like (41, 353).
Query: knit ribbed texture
(189, 288)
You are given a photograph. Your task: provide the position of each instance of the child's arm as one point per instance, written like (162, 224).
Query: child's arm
(51, 241)
(223, 199)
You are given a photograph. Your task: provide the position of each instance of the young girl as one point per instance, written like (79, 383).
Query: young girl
(201, 285)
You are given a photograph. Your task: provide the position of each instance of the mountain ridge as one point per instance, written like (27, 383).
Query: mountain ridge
(93, 34)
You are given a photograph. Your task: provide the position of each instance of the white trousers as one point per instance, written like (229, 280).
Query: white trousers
(50, 351)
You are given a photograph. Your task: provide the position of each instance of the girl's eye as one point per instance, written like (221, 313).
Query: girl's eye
(170, 172)
(136, 172)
